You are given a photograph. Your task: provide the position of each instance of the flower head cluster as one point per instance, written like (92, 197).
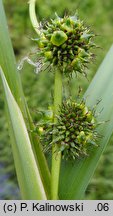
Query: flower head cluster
(66, 43)
(74, 132)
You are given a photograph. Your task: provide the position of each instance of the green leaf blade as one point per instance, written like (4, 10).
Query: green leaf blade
(8, 64)
(27, 172)
(75, 176)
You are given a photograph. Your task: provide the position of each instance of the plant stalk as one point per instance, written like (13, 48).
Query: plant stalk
(33, 17)
(56, 156)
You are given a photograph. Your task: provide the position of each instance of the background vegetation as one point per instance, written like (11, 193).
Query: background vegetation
(38, 89)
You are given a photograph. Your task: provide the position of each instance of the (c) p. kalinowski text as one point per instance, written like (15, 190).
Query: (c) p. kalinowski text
(58, 207)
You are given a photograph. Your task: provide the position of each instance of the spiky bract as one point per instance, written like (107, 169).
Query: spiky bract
(74, 132)
(65, 43)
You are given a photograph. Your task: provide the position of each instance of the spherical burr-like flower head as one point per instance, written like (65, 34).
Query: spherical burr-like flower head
(66, 43)
(75, 130)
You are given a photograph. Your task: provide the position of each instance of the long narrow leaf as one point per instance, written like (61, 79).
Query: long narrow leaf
(75, 176)
(28, 174)
(8, 64)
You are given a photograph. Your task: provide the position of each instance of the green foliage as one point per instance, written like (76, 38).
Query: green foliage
(97, 12)
(7, 61)
(28, 174)
(101, 185)
(81, 171)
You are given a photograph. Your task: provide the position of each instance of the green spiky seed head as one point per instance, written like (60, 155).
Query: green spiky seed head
(74, 132)
(66, 43)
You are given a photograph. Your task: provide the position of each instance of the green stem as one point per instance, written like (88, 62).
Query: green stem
(33, 17)
(56, 157)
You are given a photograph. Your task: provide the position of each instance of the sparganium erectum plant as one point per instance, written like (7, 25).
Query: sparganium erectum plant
(71, 131)
(65, 45)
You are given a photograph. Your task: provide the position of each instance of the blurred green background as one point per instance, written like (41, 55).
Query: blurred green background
(38, 88)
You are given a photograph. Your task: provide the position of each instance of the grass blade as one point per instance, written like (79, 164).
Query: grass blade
(76, 176)
(27, 172)
(8, 64)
